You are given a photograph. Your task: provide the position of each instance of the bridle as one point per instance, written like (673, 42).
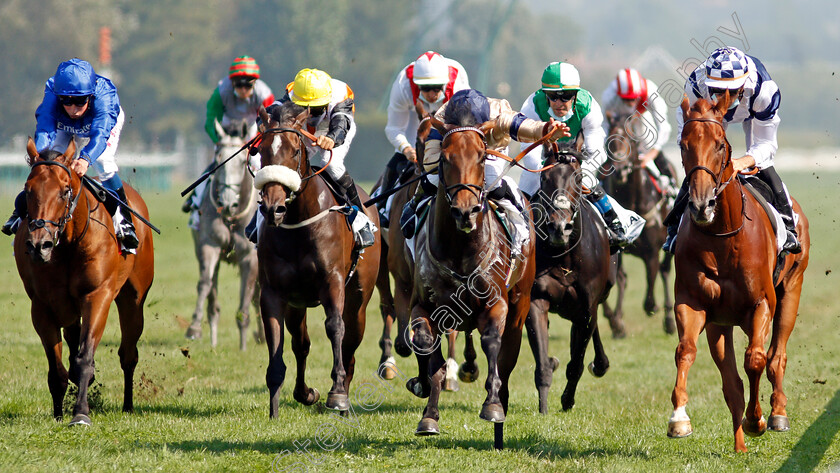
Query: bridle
(70, 205)
(719, 187)
(476, 190)
(218, 187)
(299, 155)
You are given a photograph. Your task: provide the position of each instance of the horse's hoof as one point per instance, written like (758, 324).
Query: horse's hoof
(80, 419)
(451, 385)
(388, 369)
(619, 334)
(337, 402)
(193, 333)
(669, 325)
(679, 429)
(778, 424)
(755, 429)
(467, 376)
(554, 362)
(596, 372)
(415, 387)
(311, 397)
(427, 427)
(492, 413)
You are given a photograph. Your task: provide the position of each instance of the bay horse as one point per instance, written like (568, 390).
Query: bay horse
(574, 272)
(305, 254)
(636, 189)
(724, 259)
(72, 269)
(396, 262)
(228, 204)
(467, 278)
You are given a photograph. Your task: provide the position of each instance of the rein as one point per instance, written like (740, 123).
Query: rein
(70, 206)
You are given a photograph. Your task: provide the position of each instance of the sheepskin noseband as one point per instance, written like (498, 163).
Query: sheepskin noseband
(283, 175)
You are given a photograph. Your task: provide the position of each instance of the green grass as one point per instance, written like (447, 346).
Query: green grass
(208, 411)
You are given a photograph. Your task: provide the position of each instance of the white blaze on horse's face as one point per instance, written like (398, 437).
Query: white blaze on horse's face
(276, 144)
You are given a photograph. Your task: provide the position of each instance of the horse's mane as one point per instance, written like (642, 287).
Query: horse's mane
(702, 107)
(285, 112)
(47, 154)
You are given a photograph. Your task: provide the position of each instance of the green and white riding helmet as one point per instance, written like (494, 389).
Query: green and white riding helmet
(559, 76)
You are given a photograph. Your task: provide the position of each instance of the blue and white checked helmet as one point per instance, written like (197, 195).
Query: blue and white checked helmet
(726, 68)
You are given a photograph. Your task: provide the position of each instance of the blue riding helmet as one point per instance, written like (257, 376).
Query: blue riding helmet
(74, 77)
(467, 107)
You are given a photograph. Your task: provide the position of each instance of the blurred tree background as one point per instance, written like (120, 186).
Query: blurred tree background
(168, 55)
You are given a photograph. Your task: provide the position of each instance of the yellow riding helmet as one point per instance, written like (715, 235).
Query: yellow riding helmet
(311, 88)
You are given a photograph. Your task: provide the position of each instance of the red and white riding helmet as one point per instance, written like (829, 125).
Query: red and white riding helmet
(631, 84)
(431, 69)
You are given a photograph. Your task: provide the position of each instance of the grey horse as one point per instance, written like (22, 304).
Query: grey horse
(227, 205)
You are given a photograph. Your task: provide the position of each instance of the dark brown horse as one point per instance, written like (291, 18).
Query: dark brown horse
(575, 272)
(70, 263)
(634, 187)
(466, 278)
(305, 256)
(724, 259)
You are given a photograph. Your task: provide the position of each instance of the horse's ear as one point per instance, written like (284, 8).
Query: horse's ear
(684, 107)
(70, 152)
(438, 125)
(264, 118)
(723, 102)
(219, 130)
(300, 120)
(424, 129)
(419, 109)
(487, 127)
(31, 151)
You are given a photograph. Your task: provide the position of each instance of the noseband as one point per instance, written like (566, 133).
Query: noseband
(70, 206)
(477, 191)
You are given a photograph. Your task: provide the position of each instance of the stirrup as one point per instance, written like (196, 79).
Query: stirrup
(670, 242)
(792, 244)
(127, 236)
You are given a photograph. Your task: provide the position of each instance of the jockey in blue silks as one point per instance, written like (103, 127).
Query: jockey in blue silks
(78, 104)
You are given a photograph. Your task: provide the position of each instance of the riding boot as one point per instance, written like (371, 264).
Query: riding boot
(615, 230)
(792, 244)
(672, 221)
(408, 222)
(389, 177)
(19, 212)
(251, 229)
(126, 233)
(364, 232)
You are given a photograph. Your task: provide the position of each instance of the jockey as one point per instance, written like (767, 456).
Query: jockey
(561, 98)
(83, 106)
(631, 93)
(239, 96)
(331, 107)
(756, 106)
(509, 124)
(431, 79)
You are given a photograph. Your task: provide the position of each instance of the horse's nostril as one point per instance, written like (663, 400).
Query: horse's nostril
(47, 245)
(476, 209)
(711, 203)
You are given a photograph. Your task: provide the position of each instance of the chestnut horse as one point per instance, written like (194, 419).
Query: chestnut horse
(636, 189)
(575, 272)
(72, 269)
(228, 204)
(724, 259)
(466, 278)
(305, 254)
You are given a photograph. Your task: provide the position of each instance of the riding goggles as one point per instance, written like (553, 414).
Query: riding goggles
(430, 88)
(77, 100)
(564, 96)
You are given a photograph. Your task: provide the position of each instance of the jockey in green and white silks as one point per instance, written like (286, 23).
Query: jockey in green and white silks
(561, 98)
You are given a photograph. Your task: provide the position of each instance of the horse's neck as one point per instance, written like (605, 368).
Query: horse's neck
(730, 206)
(307, 203)
(86, 206)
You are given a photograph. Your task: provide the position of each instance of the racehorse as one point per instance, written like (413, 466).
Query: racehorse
(306, 258)
(637, 190)
(575, 272)
(724, 258)
(228, 204)
(72, 269)
(466, 277)
(396, 262)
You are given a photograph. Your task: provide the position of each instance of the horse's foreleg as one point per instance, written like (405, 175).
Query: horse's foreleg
(668, 324)
(402, 312)
(511, 344)
(94, 315)
(130, 307)
(468, 371)
(208, 260)
(491, 343)
(72, 335)
(723, 353)
(601, 363)
(214, 309)
(355, 306)
(57, 377)
(616, 316)
(423, 344)
(537, 326)
(296, 323)
(451, 379)
(755, 360)
(386, 309)
(247, 283)
(651, 271)
(690, 323)
(332, 298)
(437, 371)
(583, 325)
(272, 313)
(786, 307)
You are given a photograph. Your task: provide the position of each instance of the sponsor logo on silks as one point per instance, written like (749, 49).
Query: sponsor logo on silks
(83, 130)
